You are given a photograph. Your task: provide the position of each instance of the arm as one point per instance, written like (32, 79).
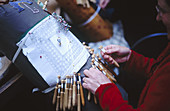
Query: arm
(139, 65)
(108, 94)
(155, 96)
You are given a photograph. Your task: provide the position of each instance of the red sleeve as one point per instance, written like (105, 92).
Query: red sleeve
(110, 98)
(138, 64)
(156, 99)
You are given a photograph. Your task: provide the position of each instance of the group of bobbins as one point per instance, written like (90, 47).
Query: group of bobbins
(101, 65)
(68, 93)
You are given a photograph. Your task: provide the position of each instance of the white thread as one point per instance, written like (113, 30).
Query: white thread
(20, 45)
(35, 10)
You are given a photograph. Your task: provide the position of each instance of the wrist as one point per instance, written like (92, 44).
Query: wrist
(127, 58)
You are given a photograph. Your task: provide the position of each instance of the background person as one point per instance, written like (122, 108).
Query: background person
(137, 17)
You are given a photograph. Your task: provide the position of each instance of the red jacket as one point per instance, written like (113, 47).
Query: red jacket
(156, 93)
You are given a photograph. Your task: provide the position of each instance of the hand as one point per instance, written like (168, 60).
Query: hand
(2, 2)
(118, 53)
(94, 78)
(103, 3)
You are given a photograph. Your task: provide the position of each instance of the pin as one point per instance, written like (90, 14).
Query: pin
(59, 41)
(63, 24)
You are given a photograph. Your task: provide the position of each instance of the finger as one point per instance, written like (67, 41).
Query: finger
(88, 79)
(85, 79)
(91, 85)
(103, 5)
(86, 72)
(115, 47)
(94, 73)
(112, 51)
(108, 47)
(104, 55)
(89, 72)
(110, 58)
(111, 63)
(85, 85)
(106, 58)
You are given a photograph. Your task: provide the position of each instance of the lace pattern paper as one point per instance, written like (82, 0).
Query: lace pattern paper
(53, 51)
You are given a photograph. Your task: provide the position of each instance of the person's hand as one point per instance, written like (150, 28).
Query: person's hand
(94, 78)
(103, 3)
(2, 2)
(118, 53)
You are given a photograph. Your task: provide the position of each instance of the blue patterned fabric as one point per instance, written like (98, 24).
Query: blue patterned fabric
(18, 6)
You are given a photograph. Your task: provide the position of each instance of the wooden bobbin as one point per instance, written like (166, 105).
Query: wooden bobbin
(81, 91)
